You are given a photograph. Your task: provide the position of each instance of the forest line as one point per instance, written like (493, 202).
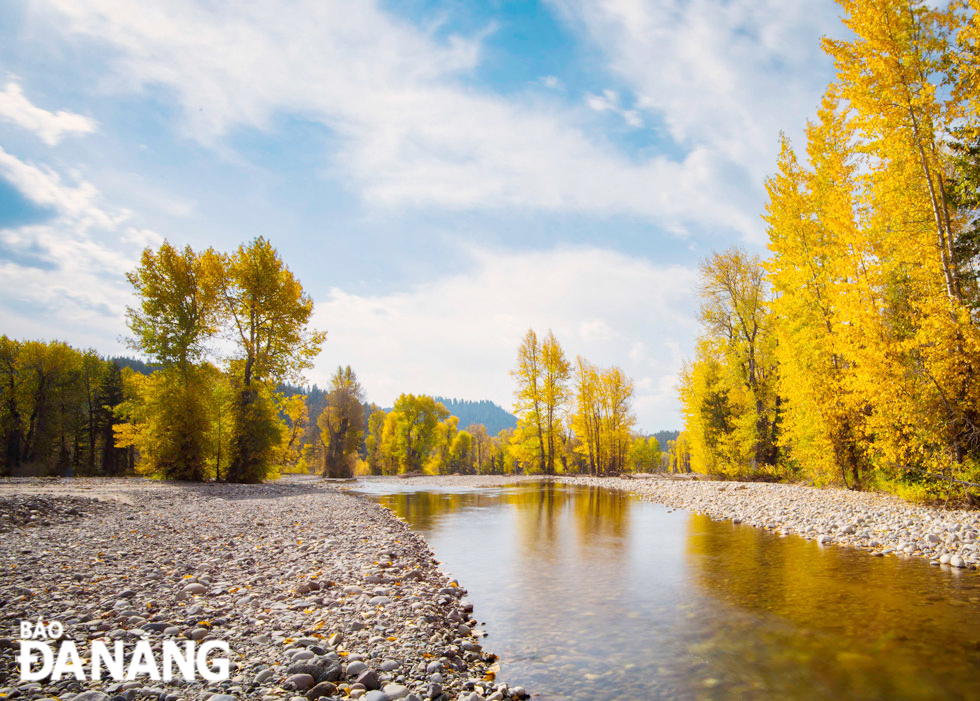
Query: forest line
(850, 354)
(224, 335)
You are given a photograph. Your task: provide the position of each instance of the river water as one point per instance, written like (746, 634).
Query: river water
(589, 593)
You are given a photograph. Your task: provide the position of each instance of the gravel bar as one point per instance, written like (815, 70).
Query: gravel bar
(318, 593)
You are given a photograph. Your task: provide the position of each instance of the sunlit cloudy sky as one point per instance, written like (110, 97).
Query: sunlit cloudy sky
(440, 175)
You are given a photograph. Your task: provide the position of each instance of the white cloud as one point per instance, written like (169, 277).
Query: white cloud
(458, 335)
(721, 74)
(609, 101)
(552, 82)
(66, 274)
(412, 133)
(49, 126)
(606, 102)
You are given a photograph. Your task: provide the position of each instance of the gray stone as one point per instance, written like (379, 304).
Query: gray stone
(369, 678)
(91, 696)
(396, 691)
(375, 695)
(321, 689)
(957, 561)
(195, 588)
(300, 682)
(355, 668)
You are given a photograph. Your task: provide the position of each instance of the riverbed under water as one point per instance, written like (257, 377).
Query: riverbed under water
(589, 593)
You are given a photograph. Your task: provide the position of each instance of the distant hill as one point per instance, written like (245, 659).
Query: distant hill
(482, 412)
(134, 364)
(664, 436)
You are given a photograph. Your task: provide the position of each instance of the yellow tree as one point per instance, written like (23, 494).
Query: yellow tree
(373, 443)
(342, 423)
(587, 417)
(178, 314)
(603, 417)
(818, 273)
(554, 395)
(409, 433)
(270, 316)
(617, 394)
(529, 399)
(905, 103)
(732, 380)
(482, 447)
(297, 418)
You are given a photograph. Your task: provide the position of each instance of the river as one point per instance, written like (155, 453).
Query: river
(589, 593)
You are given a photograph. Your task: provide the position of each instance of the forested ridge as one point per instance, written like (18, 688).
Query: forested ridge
(850, 354)
(485, 412)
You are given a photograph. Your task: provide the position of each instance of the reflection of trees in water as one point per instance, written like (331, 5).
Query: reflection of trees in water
(603, 513)
(803, 621)
(421, 508)
(599, 515)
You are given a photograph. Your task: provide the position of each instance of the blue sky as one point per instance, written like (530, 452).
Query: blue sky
(440, 175)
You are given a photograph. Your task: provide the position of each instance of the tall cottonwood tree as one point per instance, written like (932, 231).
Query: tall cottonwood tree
(603, 418)
(542, 374)
(270, 316)
(728, 392)
(342, 423)
(179, 312)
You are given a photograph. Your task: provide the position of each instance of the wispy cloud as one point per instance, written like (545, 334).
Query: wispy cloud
(609, 101)
(726, 75)
(50, 127)
(67, 273)
(458, 335)
(414, 133)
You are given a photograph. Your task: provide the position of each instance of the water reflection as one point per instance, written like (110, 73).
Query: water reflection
(591, 594)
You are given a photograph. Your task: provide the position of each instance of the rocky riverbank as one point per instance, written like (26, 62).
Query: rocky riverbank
(881, 524)
(318, 594)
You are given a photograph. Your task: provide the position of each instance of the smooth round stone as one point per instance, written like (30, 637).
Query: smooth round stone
(389, 665)
(396, 691)
(375, 696)
(369, 678)
(300, 682)
(195, 588)
(956, 561)
(355, 668)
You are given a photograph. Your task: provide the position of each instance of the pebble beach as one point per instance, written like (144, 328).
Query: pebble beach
(319, 594)
(323, 594)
